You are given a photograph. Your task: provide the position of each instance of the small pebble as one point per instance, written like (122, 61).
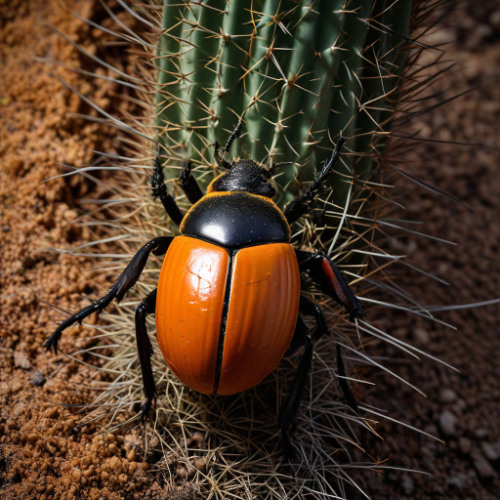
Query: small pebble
(21, 361)
(18, 410)
(447, 396)
(491, 451)
(421, 336)
(482, 466)
(481, 433)
(455, 482)
(465, 445)
(38, 378)
(16, 386)
(447, 422)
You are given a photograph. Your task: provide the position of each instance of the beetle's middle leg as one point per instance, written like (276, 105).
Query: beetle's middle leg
(325, 274)
(145, 350)
(124, 283)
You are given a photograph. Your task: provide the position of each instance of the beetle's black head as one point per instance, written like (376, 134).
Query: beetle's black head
(246, 175)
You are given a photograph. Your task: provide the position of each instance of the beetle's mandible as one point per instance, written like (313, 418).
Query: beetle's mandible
(228, 305)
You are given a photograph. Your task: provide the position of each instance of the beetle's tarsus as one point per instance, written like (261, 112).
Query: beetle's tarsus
(52, 342)
(145, 408)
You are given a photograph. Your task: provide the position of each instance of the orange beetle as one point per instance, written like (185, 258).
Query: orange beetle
(228, 301)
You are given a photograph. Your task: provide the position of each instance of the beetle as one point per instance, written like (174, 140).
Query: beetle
(228, 305)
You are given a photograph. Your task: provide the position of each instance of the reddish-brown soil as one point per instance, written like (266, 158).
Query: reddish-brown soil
(43, 454)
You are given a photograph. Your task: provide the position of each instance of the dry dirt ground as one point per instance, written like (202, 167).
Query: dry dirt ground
(42, 452)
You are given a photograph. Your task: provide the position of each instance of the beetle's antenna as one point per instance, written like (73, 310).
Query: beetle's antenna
(234, 134)
(331, 162)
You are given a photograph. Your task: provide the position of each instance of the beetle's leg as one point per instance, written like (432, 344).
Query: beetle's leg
(302, 336)
(189, 184)
(124, 283)
(310, 308)
(145, 350)
(296, 208)
(329, 279)
(160, 190)
(234, 134)
(289, 410)
(348, 395)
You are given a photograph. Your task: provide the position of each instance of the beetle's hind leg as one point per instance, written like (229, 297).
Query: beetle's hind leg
(145, 350)
(303, 337)
(291, 406)
(125, 282)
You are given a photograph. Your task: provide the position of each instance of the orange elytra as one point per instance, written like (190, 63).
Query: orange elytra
(225, 319)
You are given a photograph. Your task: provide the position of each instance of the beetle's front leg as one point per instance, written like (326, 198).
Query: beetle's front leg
(329, 279)
(298, 207)
(189, 184)
(125, 282)
(159, 190)
(145, 350)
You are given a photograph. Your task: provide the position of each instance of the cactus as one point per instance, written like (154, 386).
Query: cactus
(297, 74)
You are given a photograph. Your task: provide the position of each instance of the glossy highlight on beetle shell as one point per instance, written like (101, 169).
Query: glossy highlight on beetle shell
(224, 318)
(189, 306)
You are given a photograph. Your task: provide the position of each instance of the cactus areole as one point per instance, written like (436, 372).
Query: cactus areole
(228, 305)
